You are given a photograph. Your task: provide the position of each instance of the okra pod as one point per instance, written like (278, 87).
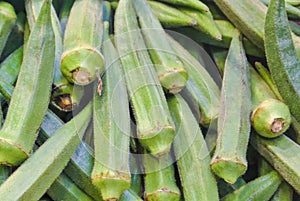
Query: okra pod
(8, 18)
(170, 70)
(159, 179)
(281, 153)
(4, 170)
(200, 84)
(130, 195)
(111, 174)
(260, 189)
(293, 2)
(170, 16)
(205, 22)
(229, 161)
(63, 188)
(47, 162)
(192, 155)
(282, 57)
(292, 11)
(198, 5)
(82, 42)
(64, 14)
(32, 90)
(155, 129)
(136, 176)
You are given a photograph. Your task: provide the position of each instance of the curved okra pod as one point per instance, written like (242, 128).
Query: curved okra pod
(197, 180)
(82, 42)
(111, 174)
(155, 129)
(229, 161)
(47, 162)
(282, 57)
(195, 4)
(170, 70)
(260, 189)
(200, 84)
(32, 90)
(8, 18)
(170, 16)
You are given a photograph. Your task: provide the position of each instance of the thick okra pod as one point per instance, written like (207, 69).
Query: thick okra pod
(63, 188)
(197, 180)
(155, 129)
(160, 183)
(200, 84)
(47, 162)
(260, 189)
(170, 16)
(111, 174)
(170, 70)
(8, 18)
(281, 56)
(82, 42)
(229, 161)
(32, 91)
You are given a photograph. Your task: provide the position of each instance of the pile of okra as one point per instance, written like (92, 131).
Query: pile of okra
(155, 100)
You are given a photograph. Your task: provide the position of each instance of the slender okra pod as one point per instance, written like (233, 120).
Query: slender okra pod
(111, 174)
(32, 91)
(4, 170)
(8, 18)
(282, 154)
(282, 57)
(63, 188)
(200, 84)
(292, 11)
(136, 184)
(229, 161)
(159, 179)
(293, 2)
(170, 70)
(170, 16)
(130, 195)
(82, 42)
(155, 129)
(195, 4)
(64, 14)
(47, 162)
(260, 189)
(197, 180)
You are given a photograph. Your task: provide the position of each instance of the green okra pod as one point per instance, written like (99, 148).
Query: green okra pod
(4, 170)
(192, 155)
(200, 84)
(8, 18)
(170, 16)
(130, 195)
(282, 57)
(82, 42)
(170, 70)
(136, 184)
(155, 129)
(32, 91)
(188, 3)
(229, 161)
(292, 11)
(111, 174)
(260, 189)
(293, 2)
(159, 179)
(63, 188)
(64, 14)
(47, 162)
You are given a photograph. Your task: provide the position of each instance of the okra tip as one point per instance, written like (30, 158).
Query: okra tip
(228, 170)
(163, 194)
(11, 154)
(174, 81)
(271, 118)
(79, 65)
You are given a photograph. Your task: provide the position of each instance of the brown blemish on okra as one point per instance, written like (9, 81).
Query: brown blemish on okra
(81, 76)
(277, 125)
(64, 102)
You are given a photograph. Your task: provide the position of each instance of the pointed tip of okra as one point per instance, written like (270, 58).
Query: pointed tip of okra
(162, 195)
(111, 188)
(159, 142)
(79, 65)
(11, 154)
(174, 81)
(228, 170)
(271, 118)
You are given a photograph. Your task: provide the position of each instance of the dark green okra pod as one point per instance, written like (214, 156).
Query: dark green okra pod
(170, 70)
(229, 161)
(32, 92)
(82, 42)
(64, 14)
(155, 129)
(195, 4)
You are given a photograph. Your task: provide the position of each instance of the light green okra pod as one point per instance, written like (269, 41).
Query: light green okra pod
(292, 11)
(170, 70)
(130, 195)
(32, 92)
(64, 14)
(155, 129)
(195, 4)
